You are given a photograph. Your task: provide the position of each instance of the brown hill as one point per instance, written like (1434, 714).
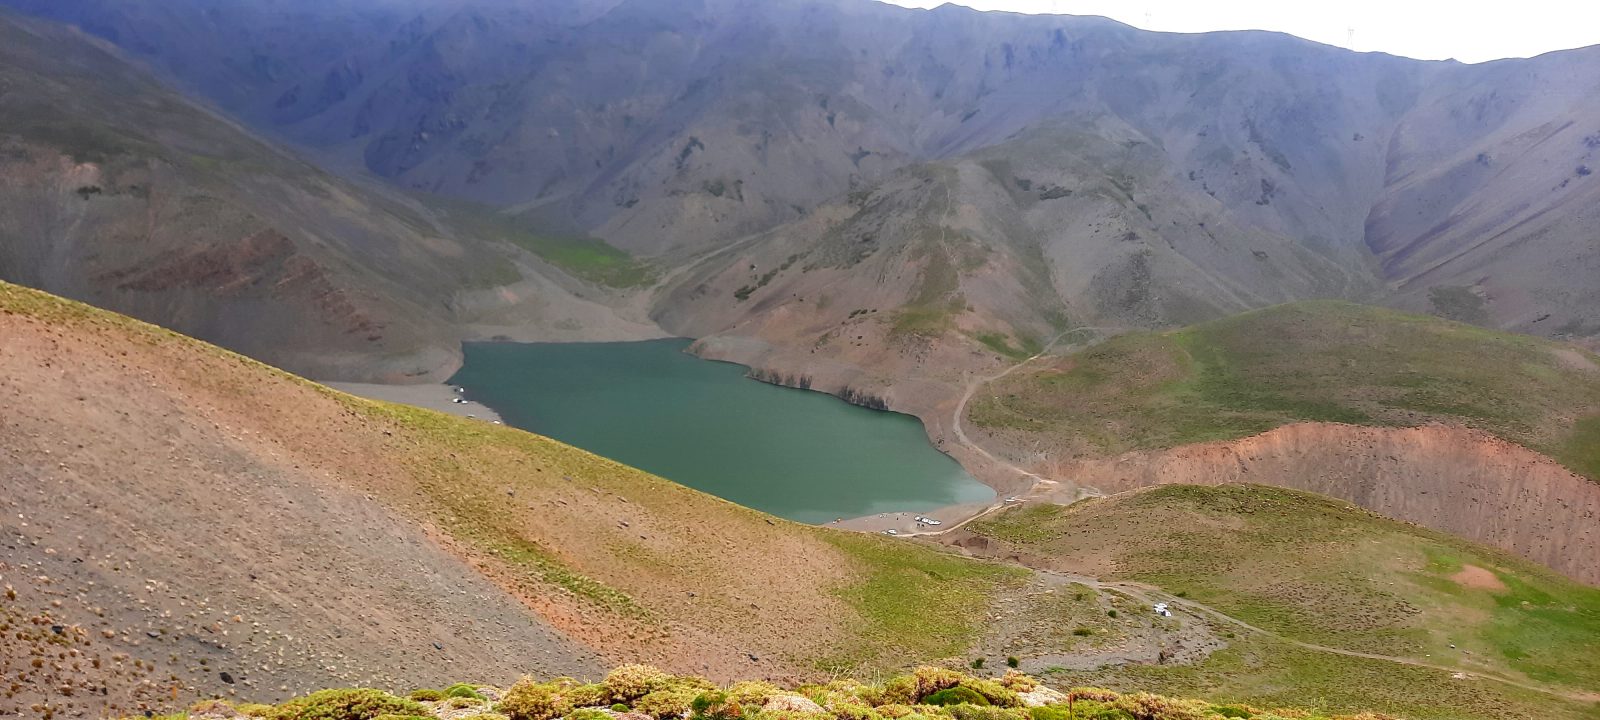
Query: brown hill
(1489, 435)
(185, 512)
(122, 193)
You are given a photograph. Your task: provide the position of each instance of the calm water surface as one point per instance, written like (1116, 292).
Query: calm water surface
(803, 455)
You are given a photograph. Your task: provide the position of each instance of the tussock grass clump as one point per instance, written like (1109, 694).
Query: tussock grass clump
(631, 682)
(529, 699)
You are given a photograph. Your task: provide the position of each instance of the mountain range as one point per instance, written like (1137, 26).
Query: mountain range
(1091, 259)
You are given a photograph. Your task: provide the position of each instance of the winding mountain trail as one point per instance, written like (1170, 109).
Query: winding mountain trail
(972, 388)
(1150, 594)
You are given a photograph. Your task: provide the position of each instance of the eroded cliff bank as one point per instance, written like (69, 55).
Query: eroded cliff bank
(1453, 479)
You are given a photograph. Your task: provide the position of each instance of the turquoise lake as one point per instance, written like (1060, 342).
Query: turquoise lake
(802, 455)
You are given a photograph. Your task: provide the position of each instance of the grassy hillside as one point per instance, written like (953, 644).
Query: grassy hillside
(636, 567)
(639, 692)
(1309, 361)
(1309, 569)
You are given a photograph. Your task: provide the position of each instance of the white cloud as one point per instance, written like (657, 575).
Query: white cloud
(1467, 30)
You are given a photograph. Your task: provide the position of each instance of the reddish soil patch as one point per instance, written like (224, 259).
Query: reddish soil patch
(1458, 480)
(1477, 578)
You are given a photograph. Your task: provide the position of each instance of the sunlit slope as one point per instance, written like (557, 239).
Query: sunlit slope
(616, 560)
(1309, 361)
(1308, 569)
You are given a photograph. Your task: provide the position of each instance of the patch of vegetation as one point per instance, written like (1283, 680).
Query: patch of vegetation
(930, 312)
(476, 518)
(1458, 303)
(586, 258)
(1027, 345)
(957, 695)
(928, 693)
(744, 292)
(1316, 570)
(357, 704)
(914, 602)
(463, 690)
(1311, 361)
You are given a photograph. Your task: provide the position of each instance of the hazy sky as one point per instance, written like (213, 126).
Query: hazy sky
(1467, 30)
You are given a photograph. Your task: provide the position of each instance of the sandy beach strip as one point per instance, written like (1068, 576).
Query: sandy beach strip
(431, 396)
(905, 523)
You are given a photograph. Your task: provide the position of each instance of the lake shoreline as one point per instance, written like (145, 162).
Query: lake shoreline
(431, 396)
(440, 397)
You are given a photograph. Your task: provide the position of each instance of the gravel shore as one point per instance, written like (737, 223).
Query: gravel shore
(432, 397)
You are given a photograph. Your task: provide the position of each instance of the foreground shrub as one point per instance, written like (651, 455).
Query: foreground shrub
(847, 710)
(1017, 682)
(1093, 693)
(717, 705)
(531, 700)
(631, 682)
(995, 693)
(958, 695)
(1144, 706)
(752, 693)
(928, 693)
(587, 696)
(901, 690)
(357, 704)
(666, 703)
(933, 679)
(463, 690)
(981, 712)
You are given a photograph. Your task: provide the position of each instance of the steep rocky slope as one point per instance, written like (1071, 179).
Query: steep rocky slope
(119, 192)
(667, 127)
(966, 184)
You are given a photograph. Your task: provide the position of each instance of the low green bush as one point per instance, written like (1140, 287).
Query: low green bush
(463, 690)
(347, 704)
(667, 703)
(957, 695)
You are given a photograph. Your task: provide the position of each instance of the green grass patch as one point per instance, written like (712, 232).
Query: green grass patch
(915, 601)
(1320, 571)
(1263, 672)
(588, 258)
(1027, 346)
(1311, 361)
(1581, 451)
(938, 299)
(583, 257)
(478, 517)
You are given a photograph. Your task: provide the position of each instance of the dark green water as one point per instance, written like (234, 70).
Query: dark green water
(802, 455)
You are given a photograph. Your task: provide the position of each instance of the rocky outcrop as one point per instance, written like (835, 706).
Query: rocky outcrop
(1453, 479)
